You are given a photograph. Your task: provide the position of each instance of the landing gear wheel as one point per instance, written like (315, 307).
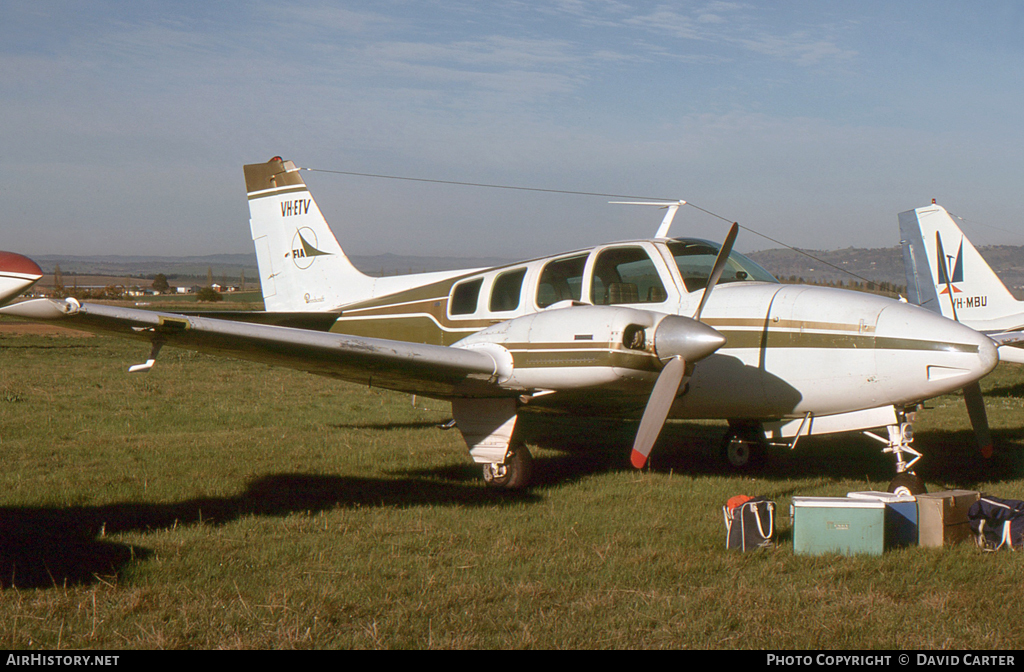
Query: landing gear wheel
(743, 449)
(907, 483)
(514, 474)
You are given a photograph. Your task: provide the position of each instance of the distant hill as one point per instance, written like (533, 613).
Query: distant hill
(877, 265)
(191, 270)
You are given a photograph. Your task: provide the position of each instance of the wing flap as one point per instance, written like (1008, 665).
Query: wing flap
(409, 367)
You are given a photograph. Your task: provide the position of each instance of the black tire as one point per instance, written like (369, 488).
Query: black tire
(907, 483)
(743, 449)
(515, 474)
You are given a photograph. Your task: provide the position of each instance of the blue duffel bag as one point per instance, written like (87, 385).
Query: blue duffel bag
(997, 523)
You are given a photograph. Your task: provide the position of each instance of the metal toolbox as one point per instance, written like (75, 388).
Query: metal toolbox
(942, 517)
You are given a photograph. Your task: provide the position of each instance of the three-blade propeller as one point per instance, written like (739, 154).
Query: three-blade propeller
(972, 393)
(679, 342)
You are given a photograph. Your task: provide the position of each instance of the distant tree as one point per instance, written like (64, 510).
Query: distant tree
(58, 283)
(208, 294)
(160, 283)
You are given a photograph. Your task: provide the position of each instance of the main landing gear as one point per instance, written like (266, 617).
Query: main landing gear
(514, 473)
(744, 446)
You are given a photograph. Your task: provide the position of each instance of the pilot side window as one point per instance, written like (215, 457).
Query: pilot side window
(561, 280)
(464, 297)
(506, 289)
(626, 275)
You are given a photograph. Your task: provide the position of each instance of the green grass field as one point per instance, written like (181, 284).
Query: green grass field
(220, 504)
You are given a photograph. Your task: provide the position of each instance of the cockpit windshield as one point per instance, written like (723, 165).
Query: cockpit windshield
(695, 258)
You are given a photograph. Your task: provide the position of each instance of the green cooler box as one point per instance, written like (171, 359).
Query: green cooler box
(838, 525)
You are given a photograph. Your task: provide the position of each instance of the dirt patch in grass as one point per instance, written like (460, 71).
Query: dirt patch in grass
(31, 329)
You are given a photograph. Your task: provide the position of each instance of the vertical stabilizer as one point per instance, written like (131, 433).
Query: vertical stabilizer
(302, 266)
(960, 285)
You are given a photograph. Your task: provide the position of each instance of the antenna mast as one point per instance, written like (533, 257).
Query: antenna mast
(672, 206)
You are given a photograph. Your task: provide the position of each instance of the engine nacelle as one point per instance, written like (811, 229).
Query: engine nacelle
(583, 346)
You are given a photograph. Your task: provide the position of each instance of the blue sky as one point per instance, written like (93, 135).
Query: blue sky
(125, 125)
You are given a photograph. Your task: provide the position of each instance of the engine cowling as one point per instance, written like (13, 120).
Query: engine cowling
(582, 346)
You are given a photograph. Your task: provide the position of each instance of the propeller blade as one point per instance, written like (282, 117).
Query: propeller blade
(664, 393)
(979, 420)
(716, 270)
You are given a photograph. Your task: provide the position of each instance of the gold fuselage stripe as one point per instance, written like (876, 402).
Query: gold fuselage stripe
(421, 315)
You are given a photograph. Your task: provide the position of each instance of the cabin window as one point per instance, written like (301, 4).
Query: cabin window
(464, 297)
(506, 290)
(695, 259)
(561, 280)
(626, 275)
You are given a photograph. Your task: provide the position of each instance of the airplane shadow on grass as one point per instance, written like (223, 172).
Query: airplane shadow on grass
(950, 458)
(43, 547)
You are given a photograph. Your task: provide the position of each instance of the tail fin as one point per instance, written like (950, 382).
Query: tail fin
(302, 266)
(961, 286)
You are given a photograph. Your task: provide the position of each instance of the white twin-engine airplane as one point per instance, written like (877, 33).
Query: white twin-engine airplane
(947, 275)
(627, 329)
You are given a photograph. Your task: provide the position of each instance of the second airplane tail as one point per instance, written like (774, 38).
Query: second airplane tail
(960, 285)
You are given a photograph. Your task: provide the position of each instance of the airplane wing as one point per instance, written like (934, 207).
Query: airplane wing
(1007, 337)
(416, 368)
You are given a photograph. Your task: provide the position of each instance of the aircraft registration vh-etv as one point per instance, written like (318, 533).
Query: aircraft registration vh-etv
(644, 329)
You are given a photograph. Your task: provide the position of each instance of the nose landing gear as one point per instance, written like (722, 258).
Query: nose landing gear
(898, 443)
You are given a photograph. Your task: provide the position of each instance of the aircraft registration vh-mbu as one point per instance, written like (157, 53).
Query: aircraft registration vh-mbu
(964, 288)
(649, 329)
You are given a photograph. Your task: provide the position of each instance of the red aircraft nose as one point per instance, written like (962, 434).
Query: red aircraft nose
(14, 263)
(17, 274)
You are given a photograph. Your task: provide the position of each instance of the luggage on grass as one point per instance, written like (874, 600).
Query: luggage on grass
(997, 523)
(749, 523)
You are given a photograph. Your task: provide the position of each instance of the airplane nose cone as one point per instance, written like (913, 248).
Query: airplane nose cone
(17, 274)
(941, 354)
(12, 262)
(678, 336)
